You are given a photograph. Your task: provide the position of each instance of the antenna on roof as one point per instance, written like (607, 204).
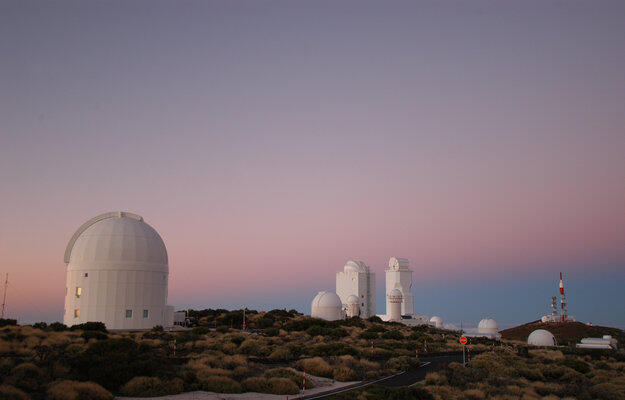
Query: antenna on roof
(4, 297)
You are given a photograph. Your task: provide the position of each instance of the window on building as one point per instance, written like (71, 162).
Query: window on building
(363, 304)
(76, 313)
(128, 313)
(146, 313)
(86, 274)
(78, 291)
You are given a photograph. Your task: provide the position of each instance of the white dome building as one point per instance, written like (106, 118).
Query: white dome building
(542, 338)
(436, 322)
(487, 326)
(328, 306)
(357, 279)
(117, 273)
(353, 309)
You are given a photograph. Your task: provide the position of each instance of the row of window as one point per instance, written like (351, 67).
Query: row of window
(146, 313)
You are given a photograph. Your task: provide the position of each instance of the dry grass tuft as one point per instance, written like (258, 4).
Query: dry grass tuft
(73, 390)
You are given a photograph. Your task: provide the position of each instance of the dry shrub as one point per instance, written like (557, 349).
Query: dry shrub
(282, 386)
(60, 339)
(316, 366)
(553, 355)
(281, 353)
(256, 384)
(546, 388)
(474, 394)
(494, 364)
(220, 384)
(208, 372)
(443, 392)
(12, 393)
(27, 376)
(343, 374)
(291, 374)
(434, 378)
(73, 390)
(146, 386)
(607, 391)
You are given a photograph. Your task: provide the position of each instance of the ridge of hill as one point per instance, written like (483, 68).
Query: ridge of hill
(565, 332)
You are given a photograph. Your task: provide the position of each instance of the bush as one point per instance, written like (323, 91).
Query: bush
(375, 318)
(343, 374)
(40, 325)
(93, 335)
(202, 330)
(281, 354)
(282, 386)
(58, 327)
(27, 376)
(315, 330)
(272, 331)
(7, 322)
(90, 326)
(332, 349)
(144, 386)
(338, 333)
(296, 377)
(72, 390)
(316, 366)
(578, 365)
(394, 334)
(12, 393)
(220, 384)
(368, 335)
(113, 362)
(222, 329)
(256, 384)
(264, 322)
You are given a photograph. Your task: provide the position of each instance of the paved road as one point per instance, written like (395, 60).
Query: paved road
(405, 378)
(429, 364)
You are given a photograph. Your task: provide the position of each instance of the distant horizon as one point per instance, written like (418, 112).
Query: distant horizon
(270, 142)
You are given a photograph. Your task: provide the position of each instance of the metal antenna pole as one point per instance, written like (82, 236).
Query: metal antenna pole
(4, 297)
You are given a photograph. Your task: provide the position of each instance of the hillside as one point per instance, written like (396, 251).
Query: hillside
(565, 333)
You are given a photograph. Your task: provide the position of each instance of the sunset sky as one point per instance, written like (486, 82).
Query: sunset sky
(269, 142)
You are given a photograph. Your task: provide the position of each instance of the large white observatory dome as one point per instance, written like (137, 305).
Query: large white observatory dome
(117, 273)
(487, 326)
(541, 337)
(328, 306)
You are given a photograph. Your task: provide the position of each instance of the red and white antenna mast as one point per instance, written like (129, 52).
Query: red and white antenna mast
(562, 299)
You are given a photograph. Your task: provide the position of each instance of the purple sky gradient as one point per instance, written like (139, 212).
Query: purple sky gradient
(483, 140)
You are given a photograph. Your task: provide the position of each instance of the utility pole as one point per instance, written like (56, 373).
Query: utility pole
(4, 297)
(244, 317)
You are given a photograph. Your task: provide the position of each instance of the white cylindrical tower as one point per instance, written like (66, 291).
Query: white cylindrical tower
(394, 299)
(117, 273)
(328, 306)
(399, 276)
(353, 309)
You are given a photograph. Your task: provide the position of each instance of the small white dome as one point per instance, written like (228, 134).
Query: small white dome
(353, 299)
(541, 337)
(328, 306)
(395, 293)
(436, 321)
(487, 325)
(356, 266)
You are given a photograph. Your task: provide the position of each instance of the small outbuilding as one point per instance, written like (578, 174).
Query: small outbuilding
(436, 322)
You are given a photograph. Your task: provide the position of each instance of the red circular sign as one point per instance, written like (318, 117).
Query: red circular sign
(463, 340)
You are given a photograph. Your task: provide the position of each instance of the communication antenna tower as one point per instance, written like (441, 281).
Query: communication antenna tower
(4, 296)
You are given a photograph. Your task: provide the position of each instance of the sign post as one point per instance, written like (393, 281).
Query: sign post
(463, 341)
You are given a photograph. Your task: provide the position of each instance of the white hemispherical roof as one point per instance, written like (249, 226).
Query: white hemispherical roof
(356, 266)
(436, 319)
(395, 293)
(398, 263)
(117, 240)
(487, 323)
(353, 299)
(541, 337)
(327, 299)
